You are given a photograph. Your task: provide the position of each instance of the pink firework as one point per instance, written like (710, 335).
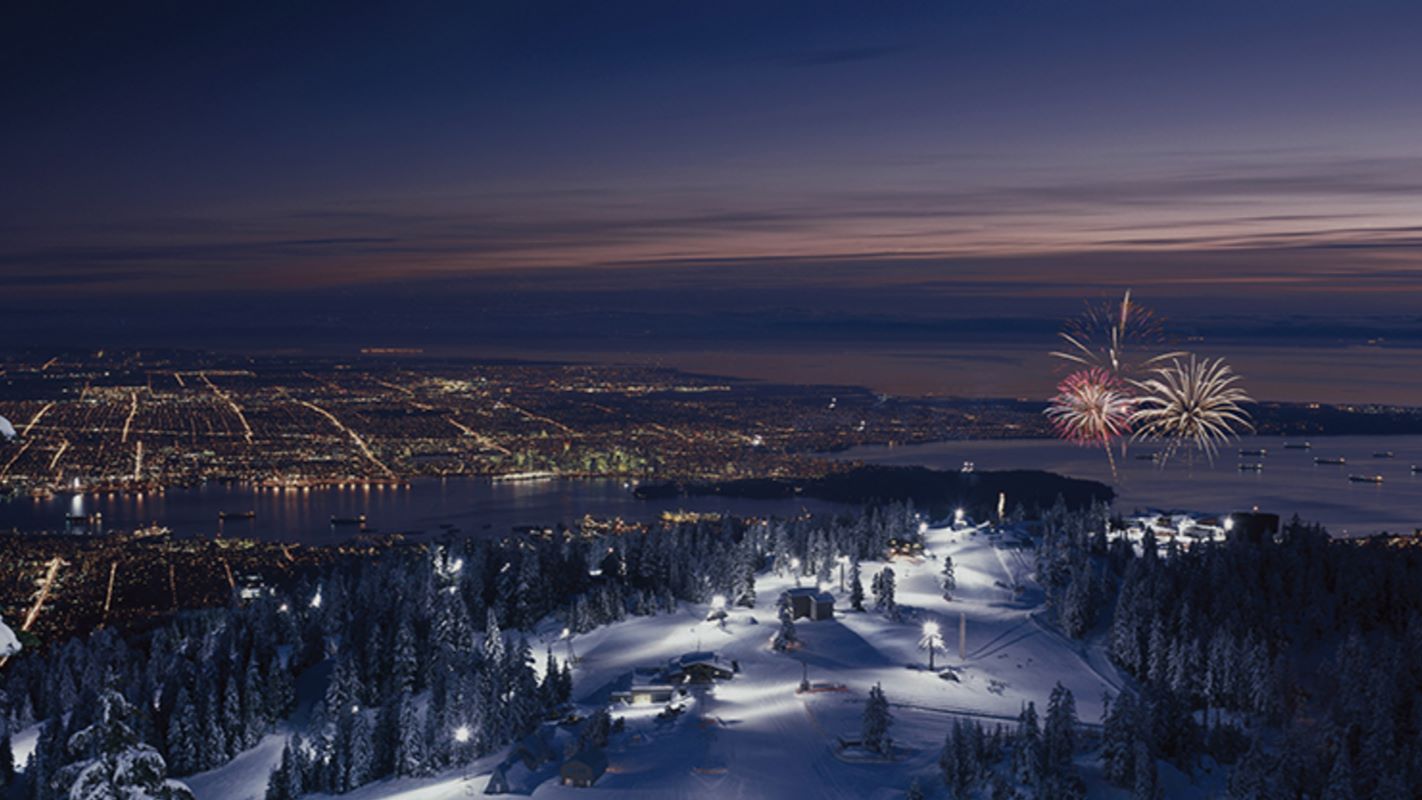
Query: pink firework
(1093, 408)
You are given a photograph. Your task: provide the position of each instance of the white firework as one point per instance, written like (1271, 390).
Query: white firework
(1107, 335)
(1194, 404)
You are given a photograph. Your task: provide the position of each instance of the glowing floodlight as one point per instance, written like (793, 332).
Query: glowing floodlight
(462, 734)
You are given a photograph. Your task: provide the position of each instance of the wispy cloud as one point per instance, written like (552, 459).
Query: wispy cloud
(1363, 208)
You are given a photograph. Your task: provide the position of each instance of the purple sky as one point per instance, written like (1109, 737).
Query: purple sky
(1236, 163)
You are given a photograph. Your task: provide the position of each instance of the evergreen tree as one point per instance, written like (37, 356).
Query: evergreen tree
(361, 763)
(1027, 756)
(1076, 609)
(874, 729)
(183, 735)
(1340, 779)
(7, 755)
(280, 691)
(785, 636)
(1059, 746)
(410, 755)
(550, 690)
(884, 593)
(405, 666)
(856, 586)
(1145, 783)
(113, 763)
(947, 579)
(279, 781)
(745, 595)
(1118, 740)
(565, 683)
(1249, 780)
(48, 757)
(958, 761)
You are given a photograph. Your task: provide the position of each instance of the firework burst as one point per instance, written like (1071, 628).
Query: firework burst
(1193, 404)
(1107, 336)
(1092, 408)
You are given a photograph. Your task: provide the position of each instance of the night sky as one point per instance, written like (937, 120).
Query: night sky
(907, 195)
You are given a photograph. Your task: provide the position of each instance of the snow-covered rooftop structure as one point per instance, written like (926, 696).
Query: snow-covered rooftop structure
(7, 431)
(699, 667)
(809, 602)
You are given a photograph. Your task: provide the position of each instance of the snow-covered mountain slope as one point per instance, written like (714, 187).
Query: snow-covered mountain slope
(754, 736)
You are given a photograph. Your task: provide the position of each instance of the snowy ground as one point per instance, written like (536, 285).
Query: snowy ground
(755, 737)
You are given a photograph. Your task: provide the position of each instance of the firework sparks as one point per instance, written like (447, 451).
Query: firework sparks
(1092, 408)
(1107, 335)
(1194, 404)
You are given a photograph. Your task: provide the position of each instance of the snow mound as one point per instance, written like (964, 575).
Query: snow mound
(7, 430)
(9, 644)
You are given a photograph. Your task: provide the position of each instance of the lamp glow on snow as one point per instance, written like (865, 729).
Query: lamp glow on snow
(568, 637)
(718, 608)
(1228, 524)
(958, 517)
(932, 640)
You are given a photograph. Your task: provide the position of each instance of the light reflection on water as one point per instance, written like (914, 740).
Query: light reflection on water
(1289, 481)
(470, 505)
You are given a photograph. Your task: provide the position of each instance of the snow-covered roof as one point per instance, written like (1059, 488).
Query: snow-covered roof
(7, 430)
(811, 592)
(703, 657)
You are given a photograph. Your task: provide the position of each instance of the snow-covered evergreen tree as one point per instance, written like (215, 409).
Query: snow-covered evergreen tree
(1118, 740)
(1145, 783)
(183, 735)
(1028, 752)
(856, 586)
(1058, 776)
(410, 754)
(284, 777)
(361, 763)
(884, 593)
(111, 763)
(785, 636)
(874, 727)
